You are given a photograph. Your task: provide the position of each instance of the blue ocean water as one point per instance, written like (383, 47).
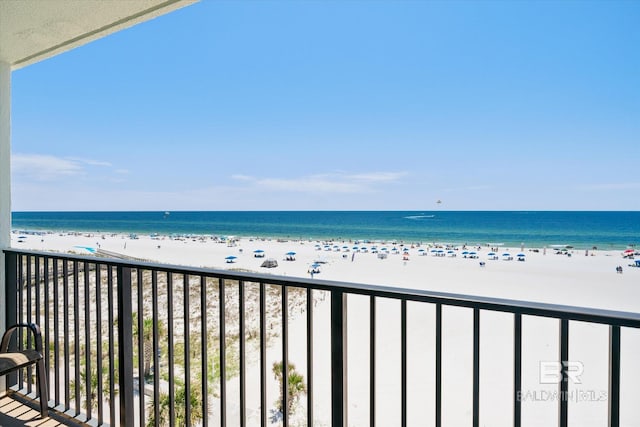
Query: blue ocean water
(605, 230)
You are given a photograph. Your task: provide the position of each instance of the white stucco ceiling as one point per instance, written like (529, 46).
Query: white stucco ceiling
(33, 30)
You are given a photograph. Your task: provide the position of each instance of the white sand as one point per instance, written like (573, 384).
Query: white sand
(576, 280)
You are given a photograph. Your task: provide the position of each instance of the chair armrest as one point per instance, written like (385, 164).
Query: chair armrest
(35, 330)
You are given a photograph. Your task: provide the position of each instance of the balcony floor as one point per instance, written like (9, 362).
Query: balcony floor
(16, 412)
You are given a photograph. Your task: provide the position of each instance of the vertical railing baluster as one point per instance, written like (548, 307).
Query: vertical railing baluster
(285, 356)
(564, 381)
(339, 414)
(241, 338)
(170, 352)
(310, 356)
(438, 367)
(263, 355)
(125, 346)
(517, 370)
(28, 283)
(56, 333)
(20, 309)
(372, 361)
(156, 345)
(203, 350)
(76, 336)
(65, 320)
(87, 340)
(403, 358)
(187, 349)
(112, 357)
(141, 344)
(223, 351)
(476, 367)
(614, 376)
(47, 326)
(36, 285)
(99, 343)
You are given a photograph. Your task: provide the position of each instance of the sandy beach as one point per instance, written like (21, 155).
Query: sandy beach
(570, 277)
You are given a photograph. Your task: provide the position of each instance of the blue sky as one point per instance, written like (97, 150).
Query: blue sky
(355, 105)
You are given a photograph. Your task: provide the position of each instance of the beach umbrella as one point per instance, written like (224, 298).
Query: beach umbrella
(230, 258)
(491, 253)
(291, 253)
(258, 251)
(629, 252)
(521, 255)
(465, 253)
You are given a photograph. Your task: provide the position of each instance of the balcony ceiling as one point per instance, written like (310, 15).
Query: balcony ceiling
(33, 30)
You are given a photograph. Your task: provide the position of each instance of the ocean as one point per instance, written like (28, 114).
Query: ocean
(582, 230)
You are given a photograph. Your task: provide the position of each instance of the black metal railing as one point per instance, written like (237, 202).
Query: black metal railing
(134, 343)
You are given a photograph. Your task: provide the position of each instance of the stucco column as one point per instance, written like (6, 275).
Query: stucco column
(5, 181)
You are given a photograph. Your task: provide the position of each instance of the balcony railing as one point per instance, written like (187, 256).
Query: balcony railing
(134, 343)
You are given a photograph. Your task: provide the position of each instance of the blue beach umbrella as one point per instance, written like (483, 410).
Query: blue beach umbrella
(258, 251)
(521, 255)
(291, 253)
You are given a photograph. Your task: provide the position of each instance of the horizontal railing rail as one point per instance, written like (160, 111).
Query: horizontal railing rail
(140, 343)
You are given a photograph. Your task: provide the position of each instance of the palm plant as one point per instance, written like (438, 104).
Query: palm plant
(296, 387)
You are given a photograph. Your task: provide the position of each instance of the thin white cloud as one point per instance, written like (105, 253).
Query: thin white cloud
(379, 176)
(324, 183)
(44, 167)
(240, 177)
(309, 184)
(90, 162)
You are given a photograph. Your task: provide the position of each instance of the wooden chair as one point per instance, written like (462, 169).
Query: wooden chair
(11, 361)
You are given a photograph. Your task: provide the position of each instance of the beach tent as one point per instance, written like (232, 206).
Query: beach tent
(638, 263)
(269, 263)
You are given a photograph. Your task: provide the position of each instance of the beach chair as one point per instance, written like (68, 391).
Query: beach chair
(14, 360)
